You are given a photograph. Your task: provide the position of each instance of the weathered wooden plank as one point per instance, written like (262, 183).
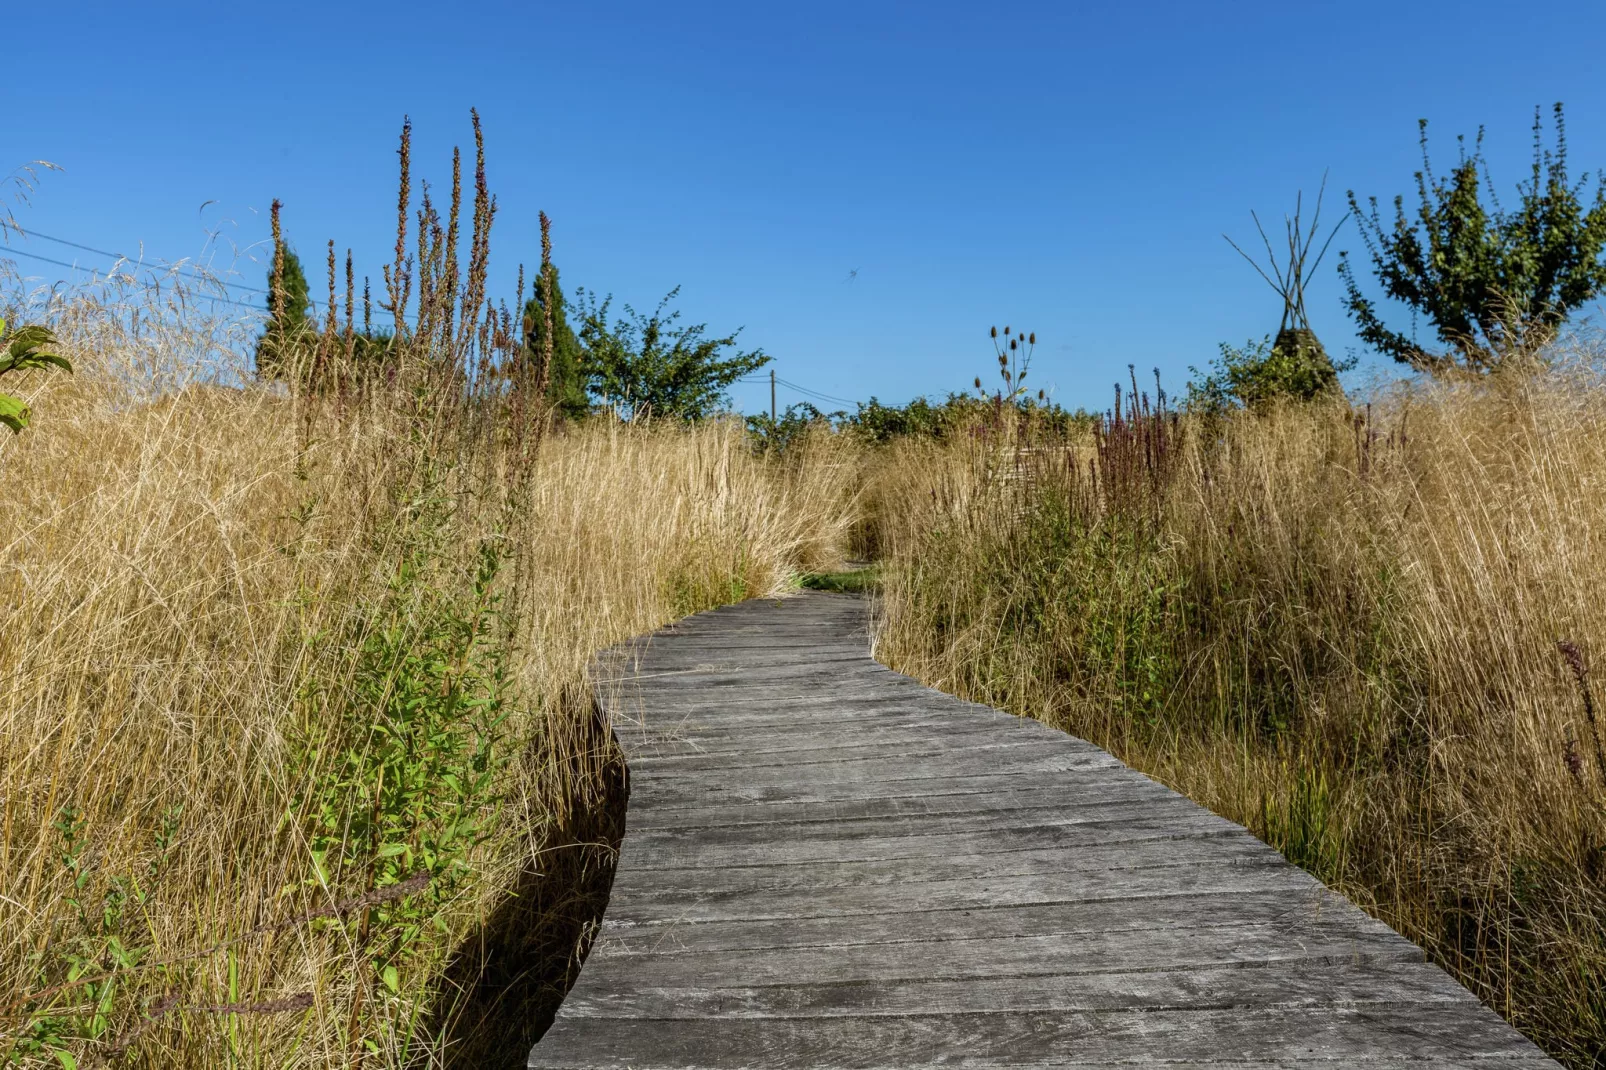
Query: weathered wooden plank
(712, 882)
(734, 745)
(1159, 913)
(694, 794)
(846, 893)
(828, 865)
(1051, 837)
(1339, 1033)
(739, 815)
(1019, 759)
(855, 763)
(1293, 982)
(989, 956)
(838, 827)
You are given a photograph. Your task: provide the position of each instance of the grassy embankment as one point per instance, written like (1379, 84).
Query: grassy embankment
(1366, 635)
(298, 763)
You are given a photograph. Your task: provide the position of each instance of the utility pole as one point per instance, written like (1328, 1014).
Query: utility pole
(772, 397)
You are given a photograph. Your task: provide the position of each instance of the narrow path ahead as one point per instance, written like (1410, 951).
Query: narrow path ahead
(826, 864)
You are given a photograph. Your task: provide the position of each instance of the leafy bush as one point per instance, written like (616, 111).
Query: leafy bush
(1259, 372)
(404, 771)
(793, 424)
(879, 424)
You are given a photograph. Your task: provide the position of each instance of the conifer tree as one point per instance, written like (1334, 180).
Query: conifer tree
(297, 328)
(566, 377)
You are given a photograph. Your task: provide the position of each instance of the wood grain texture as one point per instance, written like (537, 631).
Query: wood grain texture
(826, 864)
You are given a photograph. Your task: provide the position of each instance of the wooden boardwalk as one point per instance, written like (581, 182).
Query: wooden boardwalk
(828, 865)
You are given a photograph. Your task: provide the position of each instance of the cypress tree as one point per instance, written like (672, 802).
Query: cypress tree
(296, 328)
(566, 379)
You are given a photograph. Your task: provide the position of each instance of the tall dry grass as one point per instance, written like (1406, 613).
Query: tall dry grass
(189, 577)
(1338, 627)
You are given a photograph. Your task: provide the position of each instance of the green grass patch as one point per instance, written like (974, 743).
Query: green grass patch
(851, 581)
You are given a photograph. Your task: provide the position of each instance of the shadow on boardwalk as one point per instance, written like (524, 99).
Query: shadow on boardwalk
(504, 984)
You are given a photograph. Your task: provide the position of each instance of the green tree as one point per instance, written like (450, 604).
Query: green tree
(1493, 283)
(278, 339)
(566, 378)
(651, 364)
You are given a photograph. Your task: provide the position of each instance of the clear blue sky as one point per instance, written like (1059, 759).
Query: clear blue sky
(1067, 169)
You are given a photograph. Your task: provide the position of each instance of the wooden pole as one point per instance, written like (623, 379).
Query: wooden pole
(772, 397)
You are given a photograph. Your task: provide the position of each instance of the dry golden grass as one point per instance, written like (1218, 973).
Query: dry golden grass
(1344, 636)
(176, 576)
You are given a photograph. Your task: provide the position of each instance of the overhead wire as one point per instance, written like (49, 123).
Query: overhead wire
(806, 391)
(106, 274)
(101, 272)
(136, 260)
(798, 388)
(815, 393)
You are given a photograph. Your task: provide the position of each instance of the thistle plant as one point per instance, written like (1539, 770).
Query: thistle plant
(1014, 352)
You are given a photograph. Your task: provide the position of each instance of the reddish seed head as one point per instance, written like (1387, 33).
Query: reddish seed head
(1031, 339)
(1574, 657)
(276, 208)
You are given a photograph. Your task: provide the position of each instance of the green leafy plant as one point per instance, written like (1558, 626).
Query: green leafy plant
(1493, 283)
(406, 763)
(776, 434)
(1259, 372)
(79, 980)
(23, 352)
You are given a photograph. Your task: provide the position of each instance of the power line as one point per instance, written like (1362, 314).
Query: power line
(259, 290)
(106, 274)
(204, 278)
(94, 270)
(140, 262)
(815, 393)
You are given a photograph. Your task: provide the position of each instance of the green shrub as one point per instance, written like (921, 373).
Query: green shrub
(1257, 373)
(24, 352)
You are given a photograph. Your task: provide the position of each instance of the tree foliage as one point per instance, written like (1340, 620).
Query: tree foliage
(652, 364)
(297, 327)
(566, 377)
(1493, 283)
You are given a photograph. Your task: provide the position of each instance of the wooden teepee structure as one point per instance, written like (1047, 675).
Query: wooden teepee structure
(1294, 336)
